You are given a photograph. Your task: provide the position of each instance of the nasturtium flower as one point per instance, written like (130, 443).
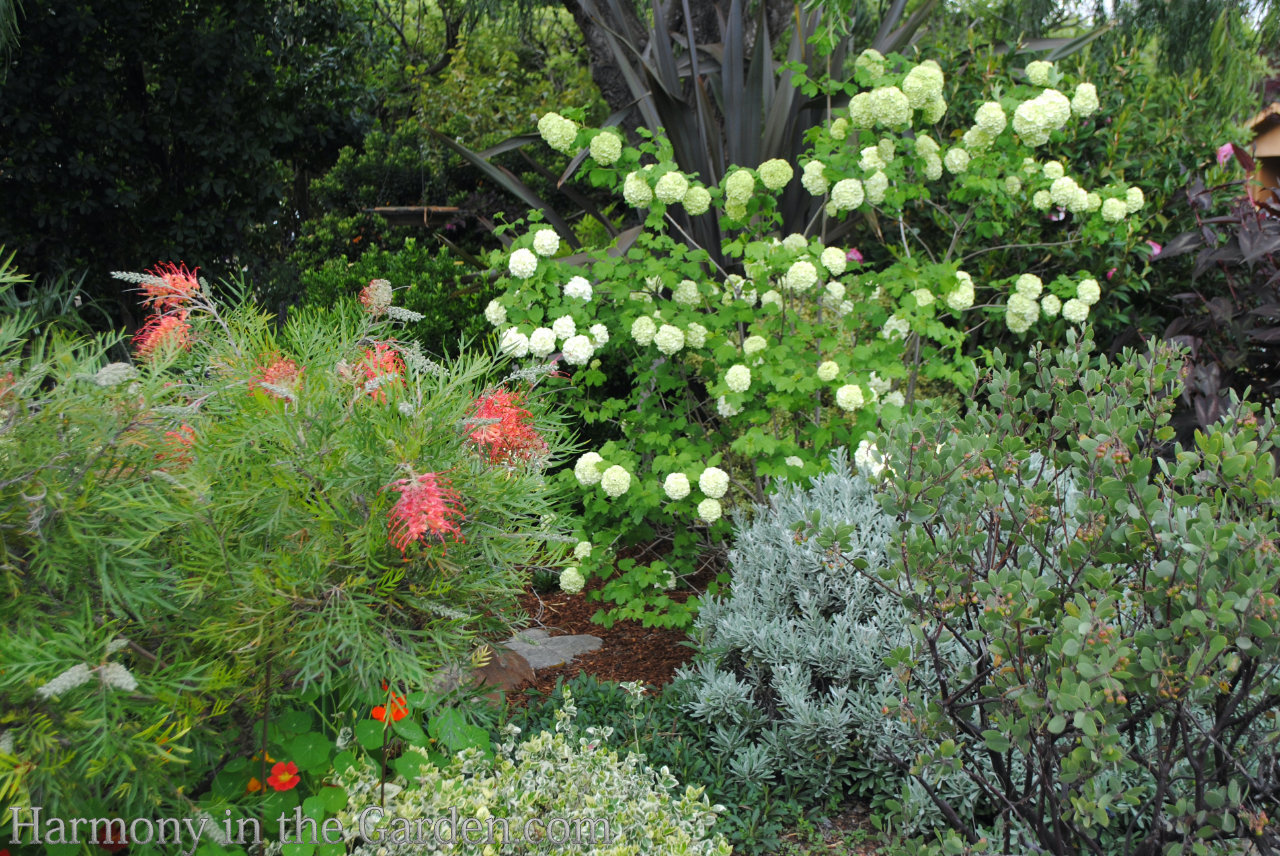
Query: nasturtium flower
(587, 469)
(429, 509)
(514, 343)
(1075, 311)
(1038, 72)
(578, 287)
(571, 581)
(697, 200)
(827, 370)
(523, 263)
(558, 132)
(643, 330)
(714, 482)
(849, 397)
(495, 313)
(709, 510)
(546, 242)
(676, 486)
(738, 378)
(615, 481)
(606, 148)
(542, 341)
(284, 776)
(671, 187)
(578, 350)
(669, 339)
(775, 173)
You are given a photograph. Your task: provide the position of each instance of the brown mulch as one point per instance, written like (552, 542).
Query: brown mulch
(630, 651)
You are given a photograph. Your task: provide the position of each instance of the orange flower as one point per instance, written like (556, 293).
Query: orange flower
(284, 776)
(428, 506)
(382, 362)
(399, 710)
(178, 445)
(282, 373)
(171, 286)
(160, 333)
(253, 787)
(513, 436)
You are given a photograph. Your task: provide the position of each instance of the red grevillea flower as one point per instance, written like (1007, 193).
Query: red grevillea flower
(160, 333)
(376, 296)
(282, 373)
(428, 508)
(172, 286)
(381, 361)
(399, 710)
(513, 436)
(178, 445)
(284, 776)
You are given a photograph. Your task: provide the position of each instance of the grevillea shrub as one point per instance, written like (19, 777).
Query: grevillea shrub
(714, 376)
(241, 516)
(1093, 627)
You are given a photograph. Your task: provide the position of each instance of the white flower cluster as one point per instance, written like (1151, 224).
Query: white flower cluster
(775, 173)
(1033, 120)
(495, 313)
(571, 581)
(676, 486)
(697, 199)
(578, 350)
(834, 260)
(872, 61)
(578, 288)
(1085, 102)
(606, 148)
(546, 242)
(827, 370)
(961, 297)
(636, 190)
(714, 482)
(923, 84)
(812, 178)
(956, 160)
(587, 470)
(846, 195)
(875, 186)
(615, 481)
(1114, 210)
(671, 187)
(889, 107)
(113, 374)
(582, 550)
(695, 335)
(669, 339)
(709, 510)
(793, 242)
(738, 188)
(923, 296)
(643, 329)
(801, 276)
(686, 293)
(111, 674)
(871, 160)
(868, 460)
(1012, 185)
(738, 378)
(849, 397)
(542, 341)
(1039, 72)
(990, 120)
(523, 263)
(514, 343)
(1065, 193)
(753, 345)
(558, 132)
(895, 328)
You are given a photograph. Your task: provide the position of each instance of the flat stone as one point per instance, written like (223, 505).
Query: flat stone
(544, 651)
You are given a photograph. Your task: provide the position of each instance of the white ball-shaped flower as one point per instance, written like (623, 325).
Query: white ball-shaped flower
(879, 385)
(1012, 185)
(636, 191)
(1041, 200)
(847, 194)
(891, 107)
(871, 160)
(1055, 107)
(643, 330)
(1054, 170)
(1075, 311)
(709, 510)
(542, 342)
(587, 469)
(523, 263)
(671, 188)
(871, 61)
(896, 398)
(834, 260)
(1021, 312)
(697, 200)
(1038, 72)
(771, 297)
(1030, 123)
(934, 111)
(927, 145)
(991, 119)
(615, 481)
(558, 132)
(1134, 200)
(793, 461)
(1113, 210)
(1088, 292)
(727, 409)
(686, 293)
(1085, 102)
(895, 328)
(839, 128)
(495, 313)
(739, 186)
(932, 167)
(813, 179)
(923, 84)
(977, 140)
(738, 378)
(775, 173)
(695, 335)
(578, 287)
(961, 297)
(571, 579)
(669, 339)
(923, 296)
(861, 114)
(795, 242)
(1050, 305)
(676, 486)
(849, 397)
(564, 327)
(713, 482)
(827, 370)
(956, 160)
(1063, 190)
(1092, 202)
(514, 343)
(546, 242)
(876, 185)
(582, 550)
(599, 335)
(835, 290)
(753, 345)
(800, 276)
(578, 350)
(606, 148)
(1029, 286)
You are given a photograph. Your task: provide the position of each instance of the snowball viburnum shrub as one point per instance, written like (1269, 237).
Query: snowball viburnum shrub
(746, 354)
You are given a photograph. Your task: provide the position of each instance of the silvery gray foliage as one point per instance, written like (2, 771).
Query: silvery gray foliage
(791, 675)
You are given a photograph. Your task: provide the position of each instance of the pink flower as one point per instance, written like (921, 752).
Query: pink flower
(1225, 153)
(428, 507)
(1155, 248)
(160, 333)
(1111, 273)
(513, 436)
(853, 255)
(170, 287)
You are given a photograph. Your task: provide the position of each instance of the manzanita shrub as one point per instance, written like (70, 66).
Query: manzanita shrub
(241, 516)
(1094, 625)
(718, 368)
